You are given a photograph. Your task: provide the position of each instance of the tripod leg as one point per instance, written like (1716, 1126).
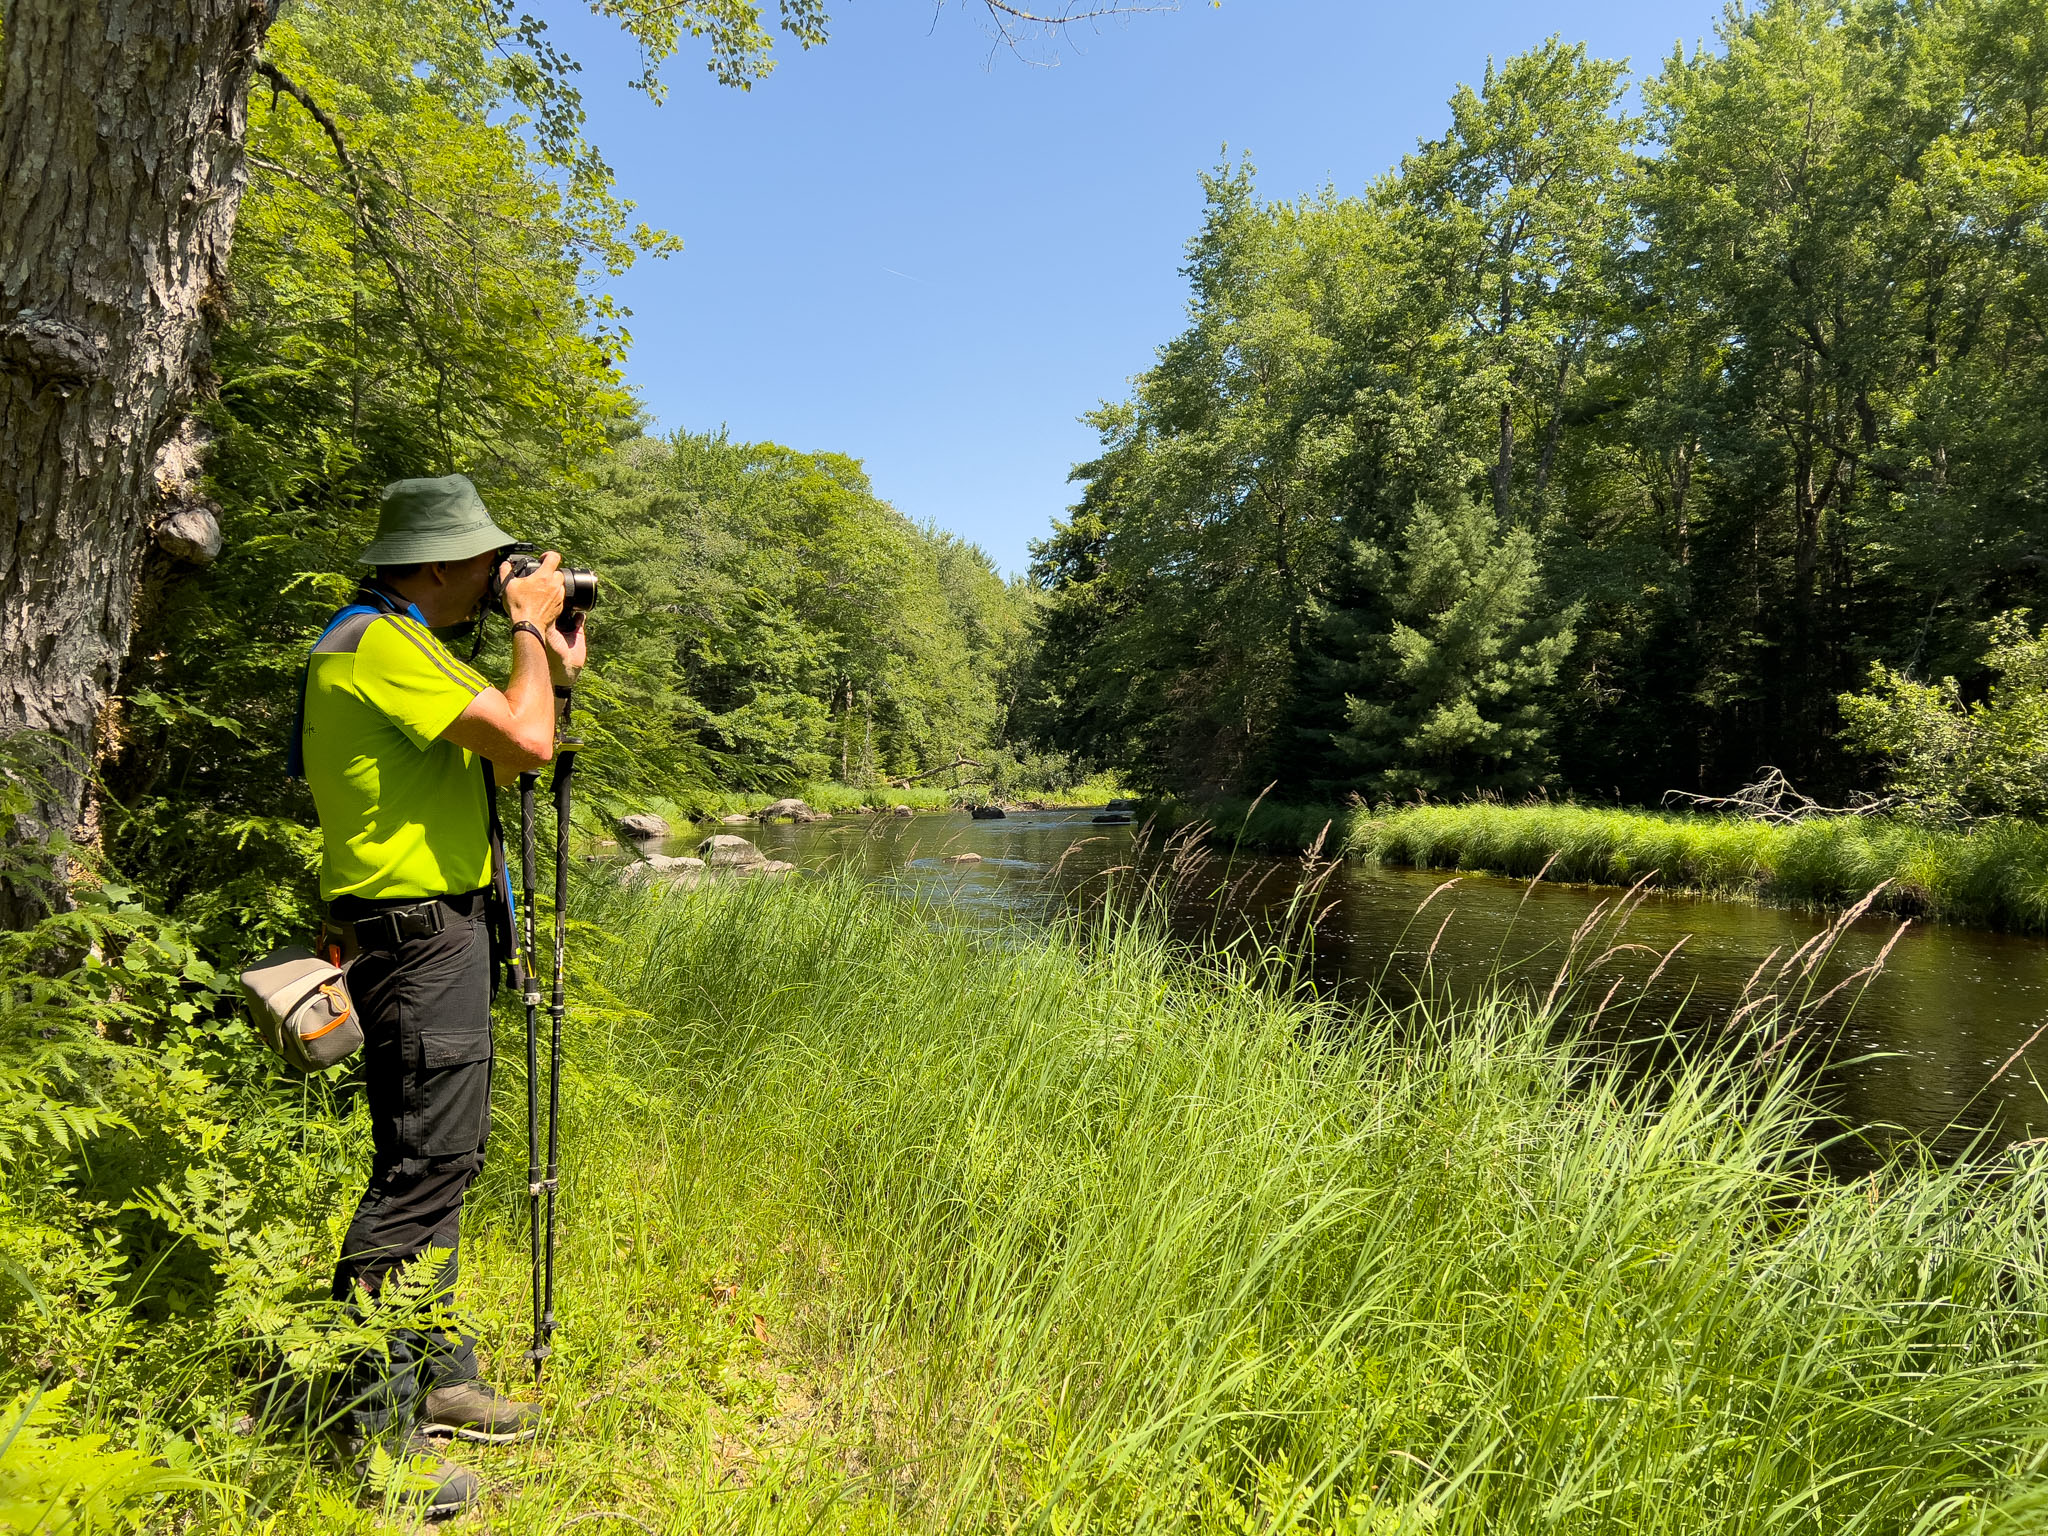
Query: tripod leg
(565, 763)
(530, 987)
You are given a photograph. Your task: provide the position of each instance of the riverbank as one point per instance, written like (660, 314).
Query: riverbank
(708, 805)
(870, 1225)
(1994, 876)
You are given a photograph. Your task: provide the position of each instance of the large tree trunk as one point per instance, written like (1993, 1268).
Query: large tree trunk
(121, 127)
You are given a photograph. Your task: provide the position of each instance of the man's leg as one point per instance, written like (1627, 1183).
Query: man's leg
(426, 1012)
(406, 1211)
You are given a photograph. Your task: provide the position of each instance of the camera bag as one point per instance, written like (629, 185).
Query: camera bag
(301, 1007)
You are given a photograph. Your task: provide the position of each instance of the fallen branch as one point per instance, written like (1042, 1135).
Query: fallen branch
(958, 762)
(1772, 798)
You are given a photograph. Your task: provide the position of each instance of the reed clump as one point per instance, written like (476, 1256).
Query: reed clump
(874, 1224)
(1992, 874)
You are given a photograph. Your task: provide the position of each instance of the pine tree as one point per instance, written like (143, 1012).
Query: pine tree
(1450, 697)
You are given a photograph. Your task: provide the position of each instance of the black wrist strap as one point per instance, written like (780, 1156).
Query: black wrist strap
(533, 630)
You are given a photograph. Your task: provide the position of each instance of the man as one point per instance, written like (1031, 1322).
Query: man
(395, 731)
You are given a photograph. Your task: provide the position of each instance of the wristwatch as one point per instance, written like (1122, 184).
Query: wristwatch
(532, 629)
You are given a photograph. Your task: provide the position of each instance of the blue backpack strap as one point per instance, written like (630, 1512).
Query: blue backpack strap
(379, 604)
(502, 911)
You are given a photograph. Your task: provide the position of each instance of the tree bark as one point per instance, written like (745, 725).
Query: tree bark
(1504, 466)
(121, 174)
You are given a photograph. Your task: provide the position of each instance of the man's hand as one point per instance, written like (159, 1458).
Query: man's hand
(567, 653)
(535, 599)
(515, 729)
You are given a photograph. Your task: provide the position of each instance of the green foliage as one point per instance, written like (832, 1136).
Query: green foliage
(1225, 575)
(1759, 373)
(1946, 759)
(425, 308)
(164, 1192)
(484, 56)
(1012, 772)
(1516, 216)
(70, 1485)
(423, 315)
(766, 619)
(770, 622)
(1451, 698)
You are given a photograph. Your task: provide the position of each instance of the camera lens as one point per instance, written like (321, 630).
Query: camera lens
(579, 586)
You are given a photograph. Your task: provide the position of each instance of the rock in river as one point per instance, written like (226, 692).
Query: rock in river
(796, 810)
(986, 812)
(658, 868)
(900, 810)
(724, 851)
(643, 828)
(963, 858)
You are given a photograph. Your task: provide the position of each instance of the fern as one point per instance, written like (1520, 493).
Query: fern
(54, 1484)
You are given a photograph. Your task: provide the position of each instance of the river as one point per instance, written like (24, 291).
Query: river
(1930, 1046)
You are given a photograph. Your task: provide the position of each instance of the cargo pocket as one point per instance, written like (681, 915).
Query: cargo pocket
(445, 1008)
(454, 1117)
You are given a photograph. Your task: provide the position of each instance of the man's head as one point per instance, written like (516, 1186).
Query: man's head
(436, 546)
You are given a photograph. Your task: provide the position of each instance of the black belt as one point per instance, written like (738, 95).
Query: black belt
(385, 924)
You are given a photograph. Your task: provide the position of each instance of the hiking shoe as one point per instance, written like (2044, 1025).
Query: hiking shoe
(417, 1479)
(474, 1411)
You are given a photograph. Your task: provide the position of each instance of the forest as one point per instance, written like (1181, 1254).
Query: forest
(1635, 433)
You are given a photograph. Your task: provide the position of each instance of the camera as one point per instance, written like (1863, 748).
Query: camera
(579, 586)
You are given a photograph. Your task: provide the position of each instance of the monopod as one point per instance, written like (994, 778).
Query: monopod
(542, 1180)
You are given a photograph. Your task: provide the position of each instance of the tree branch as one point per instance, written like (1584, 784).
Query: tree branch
(1068, 14)
(958, 762)
(288, 174)
(1011, 18)
(367, 215)
(281, 81)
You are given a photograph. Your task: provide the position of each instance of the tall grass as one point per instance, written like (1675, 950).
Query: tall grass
(875, 1225)
(1995, 874)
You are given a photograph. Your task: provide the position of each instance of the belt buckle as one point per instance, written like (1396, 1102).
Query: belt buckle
(423, 921)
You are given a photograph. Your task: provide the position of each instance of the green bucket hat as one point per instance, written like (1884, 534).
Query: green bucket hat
(427, 520)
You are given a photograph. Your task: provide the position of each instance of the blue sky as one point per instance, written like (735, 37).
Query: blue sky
(912, 247)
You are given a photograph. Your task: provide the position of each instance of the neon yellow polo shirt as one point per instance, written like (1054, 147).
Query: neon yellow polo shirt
(402, 813)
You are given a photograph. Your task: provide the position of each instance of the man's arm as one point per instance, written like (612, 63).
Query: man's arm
(515, 728)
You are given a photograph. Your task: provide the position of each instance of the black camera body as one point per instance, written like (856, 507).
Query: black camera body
(579, 586)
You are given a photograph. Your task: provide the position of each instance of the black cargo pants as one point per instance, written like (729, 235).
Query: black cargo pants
(425, 1006)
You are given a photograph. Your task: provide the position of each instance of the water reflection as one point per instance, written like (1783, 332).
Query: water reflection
(1921, 1049)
